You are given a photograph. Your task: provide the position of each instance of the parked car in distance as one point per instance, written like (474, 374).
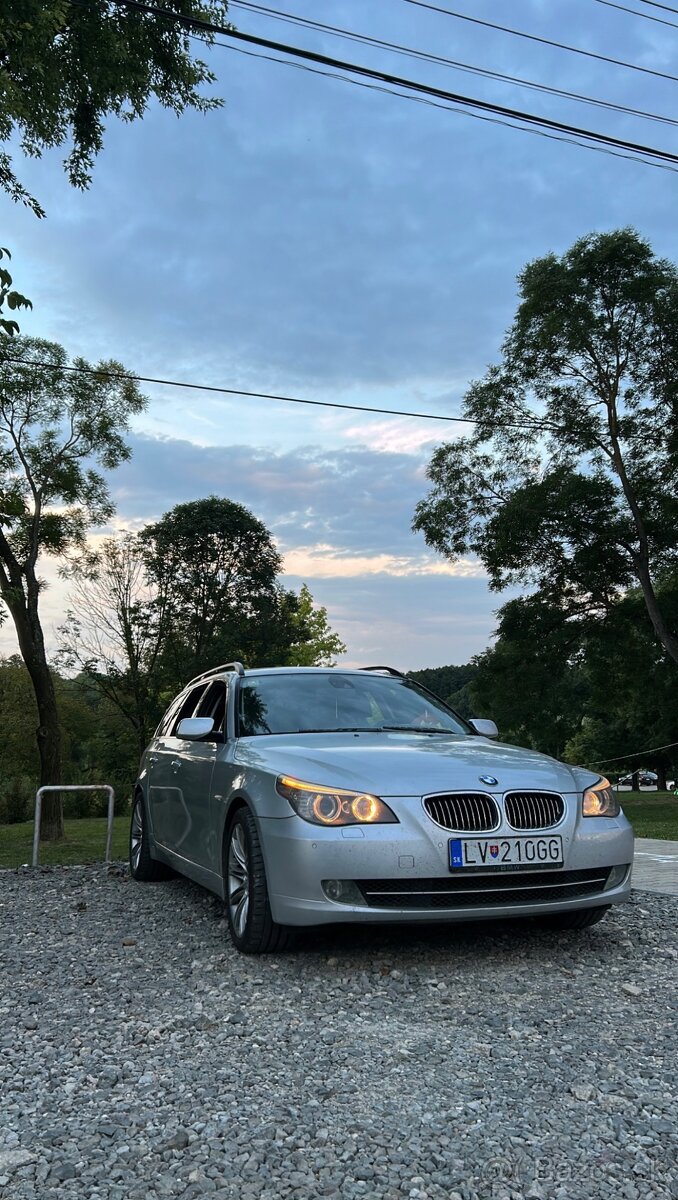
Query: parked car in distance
(311, 796)
(645, 779)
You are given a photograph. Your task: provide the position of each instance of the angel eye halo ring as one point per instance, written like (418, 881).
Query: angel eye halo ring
(322, 805)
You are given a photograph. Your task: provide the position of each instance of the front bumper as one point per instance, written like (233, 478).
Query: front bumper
(412, 857)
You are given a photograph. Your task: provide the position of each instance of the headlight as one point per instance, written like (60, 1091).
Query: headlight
(601, 800)
(326, 806)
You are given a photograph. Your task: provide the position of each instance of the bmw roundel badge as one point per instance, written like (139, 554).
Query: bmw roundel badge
(489, 779)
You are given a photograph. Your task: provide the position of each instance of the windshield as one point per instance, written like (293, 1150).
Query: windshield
(320, 703)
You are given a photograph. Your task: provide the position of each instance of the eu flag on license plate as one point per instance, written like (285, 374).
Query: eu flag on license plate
(456, 856)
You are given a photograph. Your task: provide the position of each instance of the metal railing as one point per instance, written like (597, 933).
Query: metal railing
(73, 787)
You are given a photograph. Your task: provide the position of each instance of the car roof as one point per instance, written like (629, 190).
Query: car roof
(316, 671)
(255, 672)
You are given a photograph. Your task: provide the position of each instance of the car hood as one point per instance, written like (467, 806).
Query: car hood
(405, 764)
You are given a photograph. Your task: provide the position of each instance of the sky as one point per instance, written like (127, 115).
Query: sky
(332, 242)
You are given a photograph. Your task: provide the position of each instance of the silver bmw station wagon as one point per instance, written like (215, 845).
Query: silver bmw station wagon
(305, 796)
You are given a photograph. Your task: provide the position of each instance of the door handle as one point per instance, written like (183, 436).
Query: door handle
(152, 758)
(175, 764)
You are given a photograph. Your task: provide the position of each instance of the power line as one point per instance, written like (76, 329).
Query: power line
(227, 391)
(601, 762)
(469, 68)
(456, 110)
(653, 4)
(646, 152)
(533, 37)
(634, 12)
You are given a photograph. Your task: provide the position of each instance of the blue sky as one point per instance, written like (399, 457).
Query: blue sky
(335, 243)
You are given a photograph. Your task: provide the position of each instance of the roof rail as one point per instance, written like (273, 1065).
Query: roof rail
(232, 666)
(388, 670)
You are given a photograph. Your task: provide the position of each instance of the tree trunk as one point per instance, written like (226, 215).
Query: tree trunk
(668, 640)
(32, 646)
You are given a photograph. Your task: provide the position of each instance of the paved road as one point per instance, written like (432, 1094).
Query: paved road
(655, 866)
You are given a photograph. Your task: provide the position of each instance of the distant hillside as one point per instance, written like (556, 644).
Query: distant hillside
(450, 683)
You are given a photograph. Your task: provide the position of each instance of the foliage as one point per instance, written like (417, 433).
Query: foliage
(631, 702)
(96, 744)
(213, 566)
(10, 297)
(567, 482)
(314, 644)
(588, 690)
(452, 684)
(199, 587)
(54, 424)
(113, 632)
(532, 680)
(68, 65)
(56, 427)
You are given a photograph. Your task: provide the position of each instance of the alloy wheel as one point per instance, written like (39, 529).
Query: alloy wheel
(238, 880)
(136, 834)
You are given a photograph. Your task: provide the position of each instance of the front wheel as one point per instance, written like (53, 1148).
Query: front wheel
(142, 866)
(252, 928)
(583, 918)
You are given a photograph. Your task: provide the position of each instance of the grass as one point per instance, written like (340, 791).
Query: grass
(652, 814)
(85, 842)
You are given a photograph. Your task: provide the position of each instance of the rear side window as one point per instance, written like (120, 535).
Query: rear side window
(165, 724)
(213, 704)
(186, 708)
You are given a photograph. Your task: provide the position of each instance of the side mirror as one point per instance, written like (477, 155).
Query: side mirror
(192, 729)
(484, 728)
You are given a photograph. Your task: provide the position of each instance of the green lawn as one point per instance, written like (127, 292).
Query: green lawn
(85, 842)
(652, 814)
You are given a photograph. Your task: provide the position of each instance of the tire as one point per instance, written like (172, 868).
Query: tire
(583, 918)
(252, 928)
(142, 866)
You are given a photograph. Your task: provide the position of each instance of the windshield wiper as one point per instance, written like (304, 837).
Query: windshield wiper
(344, 729)
(413, 729)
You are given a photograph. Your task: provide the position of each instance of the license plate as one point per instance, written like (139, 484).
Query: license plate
(505, 853)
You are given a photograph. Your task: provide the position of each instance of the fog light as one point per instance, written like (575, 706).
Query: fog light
(617, 876)
(342, 891)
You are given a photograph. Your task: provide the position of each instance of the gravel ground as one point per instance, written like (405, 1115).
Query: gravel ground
(141, 1057)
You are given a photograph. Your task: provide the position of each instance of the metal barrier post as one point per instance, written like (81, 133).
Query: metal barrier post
(73, 787)
(109, 826)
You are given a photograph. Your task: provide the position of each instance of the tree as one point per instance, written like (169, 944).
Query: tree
(199, 587)
(54, 425)
(452, 684)
(19, 759)
(215, 565)
(66, 66)
(114, 630)
(10, 297)
(532, 681)
(315, 644)
(97, 745)
(631, 708)
(568, 481)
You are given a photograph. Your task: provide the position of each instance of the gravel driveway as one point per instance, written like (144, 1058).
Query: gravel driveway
(141, 1057)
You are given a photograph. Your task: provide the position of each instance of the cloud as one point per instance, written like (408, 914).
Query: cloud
(355, 498)
(329, 562)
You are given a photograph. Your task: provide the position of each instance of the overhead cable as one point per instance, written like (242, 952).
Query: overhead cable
(601, 762)
(230, 391)
(533, 37)
(437, 59)
(654, 4)
(634, 12)
(647, 153)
